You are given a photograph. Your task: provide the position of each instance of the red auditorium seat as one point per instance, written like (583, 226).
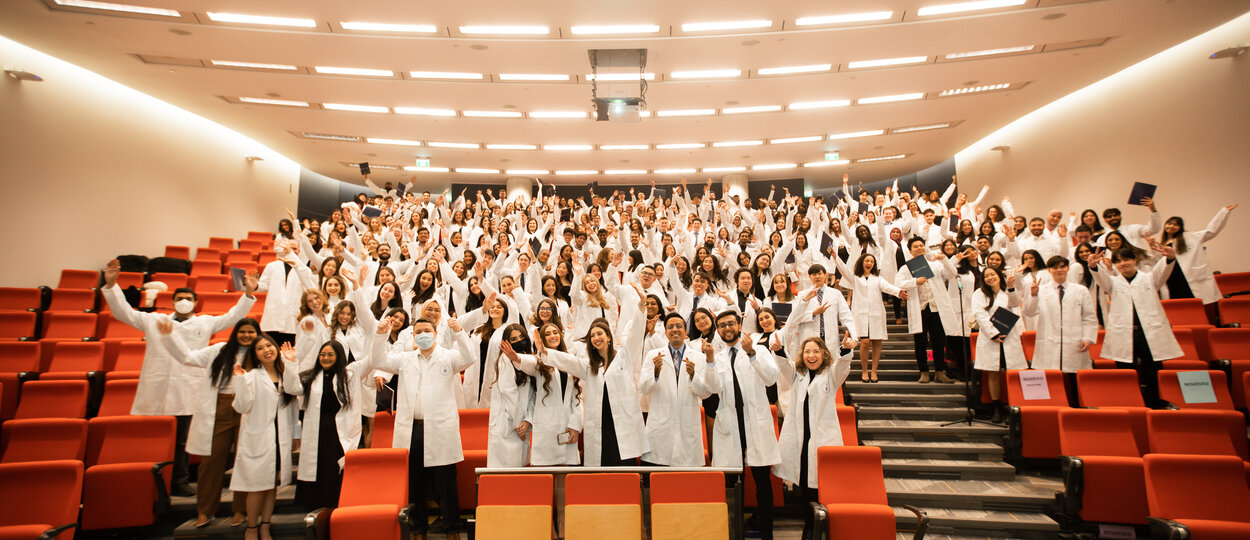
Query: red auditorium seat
(688, 505)
(212, 283)
(254, 246)
(1115, 389)
(130, 279)
(221, 243)
(79, 279)
(21, 299)
(1033, 427)
(1230, 347)
(52, 399)
(19, 362)
(205, 267)
(128, 474)
(1235, 311)
(514, 506)
(112, 329)
(171, 280)
(259, 236)
(240, 256)
(1205, 496)
(602, 505)
(474, 434)
(43, 439)
(69, 326)
(178, 252)
(265, 257)
(40, 500)
(852, 497)
(1235, 283)
(119, 397)
(517, 489)
(383, 430)
(1028, 340)
(1170, 390)
(75, 361)
(1185, 311)
(373, 502)
(1197, 432)
(78, 300)
(849, 426)
(18, 326)
(1102, 467)
(129, 361)
(217, 303)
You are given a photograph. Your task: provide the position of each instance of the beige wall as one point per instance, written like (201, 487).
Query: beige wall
(1178, 120)
(92, 169)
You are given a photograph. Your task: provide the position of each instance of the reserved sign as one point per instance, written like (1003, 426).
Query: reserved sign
(1033, 384)
(1196, 387)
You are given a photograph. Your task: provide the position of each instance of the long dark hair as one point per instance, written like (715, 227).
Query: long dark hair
(488, 328)
(1124, 243)
(396, 300)
(986, 289)
(251, 361)
(543, 367)
(859, 265)
(338, 371)
(598, 360)
(524, 346)
(1178, 240)
(222, 369)
(421, 295)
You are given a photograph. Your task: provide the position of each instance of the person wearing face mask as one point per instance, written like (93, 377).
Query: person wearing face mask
(167, 387)
(512, 400)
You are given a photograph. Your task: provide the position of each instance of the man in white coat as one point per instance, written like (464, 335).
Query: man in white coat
(284, 289)
(1067, 324)
(167, 387)
(677, 385)
(930, 315)
(1137, 233)
(744, 433)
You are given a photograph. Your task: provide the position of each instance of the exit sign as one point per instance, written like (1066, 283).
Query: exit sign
(831, 156)
(423, 162)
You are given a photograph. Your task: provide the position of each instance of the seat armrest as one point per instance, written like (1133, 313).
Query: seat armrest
(922, 521)
(1073, 473)
(54, 532)
(405, 520)
(162, 495)
(317, 524)
(1166, 529)
(820, 522)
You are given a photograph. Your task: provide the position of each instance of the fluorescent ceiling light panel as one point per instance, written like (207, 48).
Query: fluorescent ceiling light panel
(883, 62)
(920, 128)
(440, 144)
(827, 163)
(725, 25)
(427, 169)
(620, 76)
(533, 77)
(355, 108)
(880, 158)
(511, 147)
(947, 9)
(678, 146)
(330, 137)
(706, 74)
(513, 29)
(107, 6)
(390, 27)
(812, 138)
(753, 109)
(253, 65)
(723, 169)
(974, 89)
(624, 147)
(444, 75)
(594, 30)
(686, 112)
(527, 171)
(789, 70)
(625, 171)
(380, 166)
(990, 52)
(261, 19)
(400, 142)
(365, 72)
(731, 144)
(674, 171)
(491, 114)
(557, 114)
(266, 101)
(579, 173)
(889, 99)
(856, 134)
(844, 19)
(827, 104)
(476, 171)
(423, 111)
(773, 166)
(568, 147)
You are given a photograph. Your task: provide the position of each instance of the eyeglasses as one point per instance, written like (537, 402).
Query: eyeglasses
(727, 324)
(544, 308)
(325, 355)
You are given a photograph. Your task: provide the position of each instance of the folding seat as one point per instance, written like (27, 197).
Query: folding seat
(1115, 389)
(221, 243)
(240, 256)
(1190, 358)
(178, 252)
(19, 362)
(1185, 311)
(258, 309)
(1197, 496)
(75, 362)
(848, 425)
(43, 439)
(474, 434)
(119, 397)
(748, 486)
(1033, 426)
(205, 267)
(66, 326)
(211, 283)
(79, 279)
(254, 246)
(52, 399)
(170, 279)
(1102, 467)
(1235, 311)
(1230, 349)
(851, 499)
(688, 505)
(602, 505)
(514, 506)
(1235, 283)
(1221, 433)
(217, 303)
(128, 471)
(383, 430)
(1029, 341)
(39, 500)
(77, 300)
(21, 299)
(373, 502)
(113, 330)
(1170, 390)
(129, 361)
(258, 236)
(18, 326)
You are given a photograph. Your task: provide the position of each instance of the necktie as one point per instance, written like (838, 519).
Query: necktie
(1061, 293)
(693, 307)
(522, 281)
(820, 297)
(742, 428)
(676, 354)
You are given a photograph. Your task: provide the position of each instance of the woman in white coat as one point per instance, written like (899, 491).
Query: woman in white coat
(1192, 277)
(487, 322)
(960, 287)
(997, 352)
(868, 308)
(930, 316)
(512, 400)
(557, 417)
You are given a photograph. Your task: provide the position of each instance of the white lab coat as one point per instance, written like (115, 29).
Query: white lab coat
(346, 420)
(961, 299)
(987, 349)
(265, 432)
(1140, 294)
(754, 376)
(866, 303)
(837, 314)
(554, 413)
(675, 424)
(822, 390)
(510, 404)
(284, 291)
(432, 380)
(1193, 262)
(200, 434)
(1061, 331)
(942, 270)
(167, 387)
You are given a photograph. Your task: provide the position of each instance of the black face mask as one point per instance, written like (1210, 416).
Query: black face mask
(521, 346)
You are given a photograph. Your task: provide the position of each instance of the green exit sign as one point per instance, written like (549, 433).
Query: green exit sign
(831, 156)
(423, 162)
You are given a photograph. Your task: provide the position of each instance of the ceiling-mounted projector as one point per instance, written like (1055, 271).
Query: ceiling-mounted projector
(618, 109)
(618, 84)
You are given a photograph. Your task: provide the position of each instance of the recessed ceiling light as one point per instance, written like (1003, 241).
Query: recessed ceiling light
(443, 75)
(591, 30)
(400, 142)
(568, 147)
(974, 89)
(827, 104)
(505, 30)
(811, 138)
(753, 109)
(261, 19)
(788, 70)
(557, 114)
(527, 171)
(579, 173)
(107, 6)
(427, 169)
(725, 25)
(331, 137)
(441, 144)
(686, 112)
(491, 114)
(678, 146)
(730, 144)
(889, 99)
(674, 171)
(625, 171)
(723, 169)
(843, 19)
(887, 62)
(990, 52)
(828, 163)
(856, 134)
(266, 101)
(476, 171)
(946, 9)
(706, 74)
(422, 111)
(624, 146)
(511, 146)
(355, 108)
(620, 76)
(880, 158)
(773, 166)
(333, 70)
(533, 77)
(390, 27)
(252, 65)
(920, 128)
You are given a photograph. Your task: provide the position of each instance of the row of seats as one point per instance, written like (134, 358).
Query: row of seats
(88, 326)
(69, 399)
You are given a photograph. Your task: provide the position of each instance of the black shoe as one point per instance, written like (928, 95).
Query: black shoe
(182, 490)
(998, 417)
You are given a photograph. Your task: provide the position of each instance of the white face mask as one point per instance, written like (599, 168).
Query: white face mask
(424, 340)
(184, 306)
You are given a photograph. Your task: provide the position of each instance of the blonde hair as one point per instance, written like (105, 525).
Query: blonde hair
(303, 304)
(826, 357)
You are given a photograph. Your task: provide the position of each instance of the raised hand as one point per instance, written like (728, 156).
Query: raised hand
(659, 363)
(111, 271)
(238, 370)
(1231, 207)
(454, 325)
(821, 309)
(165, 326)
(288, 352)
(384, 326)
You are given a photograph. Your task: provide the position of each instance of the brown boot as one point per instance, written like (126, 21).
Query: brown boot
(924, 377)
(942, 378)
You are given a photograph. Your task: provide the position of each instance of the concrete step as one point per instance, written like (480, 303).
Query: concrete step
(947, 469)
(1023, 494)
(868, 397)
(919, 430)
(960, 450)
(853, 384)
(909, 412)
(993, 523)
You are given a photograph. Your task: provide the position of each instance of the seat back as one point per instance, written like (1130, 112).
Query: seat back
(210, 284)
(688, 506)
(46, 492)
(210, 266)
(81, 300)
(1194, 432)
(1096, 432)
(1170, 390)
(79, 279)
(171, 279)
(76, 356)
(849, 425)
(260, 236)
(207, 254)
(20, 299)
(19, 356)
(1108, 388)
(1230, 284)
(221, 243)
(177, 252)
(375, 476)
(603, 488)
(129, 279)
(1185, 338)
(687, 487)
(252, 245)
(383, 430)
(119, 397)
(217, 303)
(850, 475)
(53, 399)
(1197, 487)
(43, 439)
(1185, 311)
(17, 325)
(130, 439)
(1231, 343)
(69, 325)
(130, 356)
(603, 505)
(515, 490)
(1054, 385)
(115, 329)
(1235, 310)
(474, 428)
(1028, 340)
